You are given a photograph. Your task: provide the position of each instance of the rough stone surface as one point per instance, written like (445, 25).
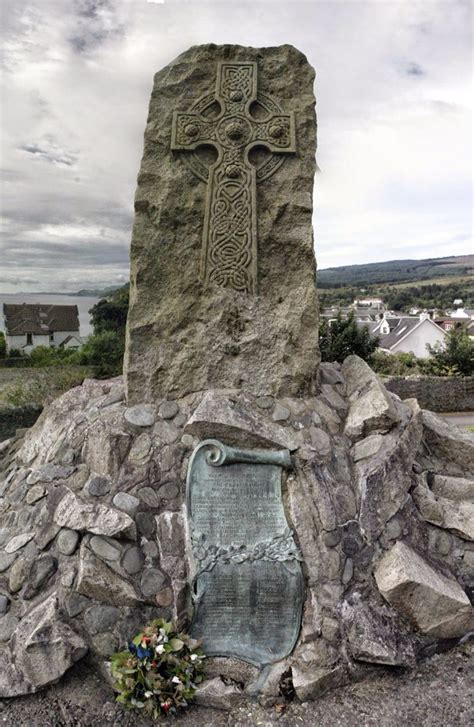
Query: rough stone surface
(311, 683)
(97, 581)
(67, 541)
(436, 604)
(453, 514)
(371, 407)
(236, 422)
(77, 514)
(171, 313)
(98, 486)
(215, 693)
(141, 415)
(168, 409)
(373, 636)
(128, 503)
(44, 648)
(19, 541)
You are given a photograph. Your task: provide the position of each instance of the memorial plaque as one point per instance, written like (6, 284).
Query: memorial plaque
(248, 582)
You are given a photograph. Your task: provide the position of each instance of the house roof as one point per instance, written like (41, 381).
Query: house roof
(398, 331)
(371, 325)
(39, 318)
(402, 330)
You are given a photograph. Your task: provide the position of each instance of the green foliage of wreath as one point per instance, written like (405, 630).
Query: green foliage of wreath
(159, 671)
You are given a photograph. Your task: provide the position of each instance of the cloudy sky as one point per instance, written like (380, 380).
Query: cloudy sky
(393, 86)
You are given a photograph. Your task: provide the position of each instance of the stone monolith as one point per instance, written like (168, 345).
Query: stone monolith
(222, 265)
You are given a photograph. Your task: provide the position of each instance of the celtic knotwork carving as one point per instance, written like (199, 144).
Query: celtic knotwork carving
(280, 548)
(229, 255)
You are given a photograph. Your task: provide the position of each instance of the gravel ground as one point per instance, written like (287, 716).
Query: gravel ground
(438, 693)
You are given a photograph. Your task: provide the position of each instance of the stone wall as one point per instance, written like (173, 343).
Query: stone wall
(436, 393)
(18, 417)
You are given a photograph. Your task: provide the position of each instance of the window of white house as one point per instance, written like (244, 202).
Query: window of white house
(51, 337)
(29, 339)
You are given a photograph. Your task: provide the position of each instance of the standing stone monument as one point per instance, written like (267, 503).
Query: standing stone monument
(222, 265)
(309, 526)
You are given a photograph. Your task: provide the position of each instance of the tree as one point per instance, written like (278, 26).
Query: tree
(110, 314)
(3, 345)
(105, 352)
(454, 356)
(105, 349)
(341, 337)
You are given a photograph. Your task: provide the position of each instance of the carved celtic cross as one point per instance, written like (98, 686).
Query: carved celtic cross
(229, 250)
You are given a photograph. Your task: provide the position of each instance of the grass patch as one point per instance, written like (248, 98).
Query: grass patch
(40, 386)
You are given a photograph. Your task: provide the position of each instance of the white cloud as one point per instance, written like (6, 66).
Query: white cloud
(393, 79)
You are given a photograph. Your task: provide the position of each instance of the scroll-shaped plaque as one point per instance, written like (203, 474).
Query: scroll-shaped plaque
(248, 582)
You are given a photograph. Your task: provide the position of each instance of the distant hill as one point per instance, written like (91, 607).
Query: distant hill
(394, 271)
(97, 292)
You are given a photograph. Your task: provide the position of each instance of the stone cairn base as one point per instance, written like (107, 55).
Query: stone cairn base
(92, 529)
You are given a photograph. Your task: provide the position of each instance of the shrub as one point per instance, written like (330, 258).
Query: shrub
(104, 352)
(342, 337)
(395, 364)
(159, 670)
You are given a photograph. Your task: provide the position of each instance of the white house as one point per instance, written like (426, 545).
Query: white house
(29, 325)
(408, 335)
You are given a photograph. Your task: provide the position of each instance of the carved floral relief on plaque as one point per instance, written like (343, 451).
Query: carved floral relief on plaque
(248, 581)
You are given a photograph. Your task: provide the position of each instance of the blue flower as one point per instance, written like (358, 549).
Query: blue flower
(132, 648)
(143, 653)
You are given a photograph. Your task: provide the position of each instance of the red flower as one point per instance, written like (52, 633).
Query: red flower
(165, 706)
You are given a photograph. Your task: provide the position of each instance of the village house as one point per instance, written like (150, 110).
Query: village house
(29, 325)
(408, 335)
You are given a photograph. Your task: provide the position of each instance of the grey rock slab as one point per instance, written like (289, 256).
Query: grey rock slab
(448, 442)
(214, 693)
(17, 575)
(48, 473)
(19, 541)
(149, 496)
(168, 409)
(98, 485)
(152, 581)
(280, 413)
(40, 571)
(165, 432)
(454, 515)
(6, 559)
(105, 548)
(97, 581)
(98, 619)
(128, 503)
(330, 374)
(8, 625)
(311, 683)
(320, 441)
(45, 647)
(384, 481)
(371, 407)
(374, 637)
(67, 541)
(145, 524)
(4, 603)
(140, 450)
(452, 488)
(133, 560)
(237, 423)
(185, 336)
(78, 514)
(265, 402)
(435, 604)
(367, 447)
(46, 533)
(333, 398)
(35, 494)
(140, 415)
(76, 604)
